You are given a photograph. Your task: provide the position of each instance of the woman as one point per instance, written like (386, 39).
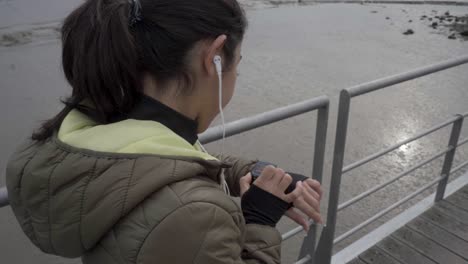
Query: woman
(119, 176)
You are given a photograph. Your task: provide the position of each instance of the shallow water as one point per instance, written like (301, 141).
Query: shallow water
(291, 53)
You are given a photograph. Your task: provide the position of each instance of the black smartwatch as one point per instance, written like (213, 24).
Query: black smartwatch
(257, 169)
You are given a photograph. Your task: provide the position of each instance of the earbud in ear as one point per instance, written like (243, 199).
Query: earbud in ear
(218, 64)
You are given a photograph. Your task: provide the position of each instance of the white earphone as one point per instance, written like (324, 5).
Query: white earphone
(219, 71)
(219, 66)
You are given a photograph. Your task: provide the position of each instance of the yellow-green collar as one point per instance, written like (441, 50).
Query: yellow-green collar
(128, 136)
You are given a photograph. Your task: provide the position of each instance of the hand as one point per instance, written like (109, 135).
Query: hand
(274, 181)
(307, 204)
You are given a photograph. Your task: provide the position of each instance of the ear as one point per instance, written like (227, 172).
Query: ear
(215, 48)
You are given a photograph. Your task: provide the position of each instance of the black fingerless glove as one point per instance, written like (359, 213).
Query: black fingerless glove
(261, 207)
(295, 178)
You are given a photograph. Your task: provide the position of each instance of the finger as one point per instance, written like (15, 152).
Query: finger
(311, 201)
(307, 210)
(244, 183)
(292, 196)
(315, 185)
(312, 192)
(267, 173)
(279, 175)
(285, 182)
(302, 206)
(298, 218)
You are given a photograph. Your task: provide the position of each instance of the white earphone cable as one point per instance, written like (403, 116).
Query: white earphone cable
(219, 70)
(221, 112)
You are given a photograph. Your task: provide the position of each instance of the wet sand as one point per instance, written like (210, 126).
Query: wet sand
(290, 53)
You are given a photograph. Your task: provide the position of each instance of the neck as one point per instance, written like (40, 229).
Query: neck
(171, 97)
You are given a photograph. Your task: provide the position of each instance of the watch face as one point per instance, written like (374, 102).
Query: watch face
(258, 168)
(256, 171)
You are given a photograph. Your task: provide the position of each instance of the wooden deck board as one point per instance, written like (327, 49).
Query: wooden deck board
(459, 200)
(447, 223)
(464, 190)
(376, 256)
(402, 252)
(440, 236)
(452, 210)
(427, 247)
(357, 261)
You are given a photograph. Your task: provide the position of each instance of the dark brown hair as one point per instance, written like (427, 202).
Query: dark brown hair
(106, 50)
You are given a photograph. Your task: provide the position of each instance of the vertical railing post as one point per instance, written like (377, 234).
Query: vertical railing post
(325, 245)
(447, 167)
(3, 197)
(308, 245)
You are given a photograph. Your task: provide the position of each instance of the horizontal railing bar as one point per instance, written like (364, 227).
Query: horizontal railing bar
(303, 260)
(459, 167)
(380, 186)
(249, 123)
(392, 148)
(4, 197)
(462, 142)
(294, 231)
(403, 77)
(384, 212)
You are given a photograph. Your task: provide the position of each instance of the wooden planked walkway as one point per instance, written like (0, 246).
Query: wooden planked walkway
(438, 236)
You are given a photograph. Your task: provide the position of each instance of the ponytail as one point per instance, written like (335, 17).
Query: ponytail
(99, 60)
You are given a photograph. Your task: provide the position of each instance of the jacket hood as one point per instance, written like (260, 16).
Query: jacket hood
(71, 190)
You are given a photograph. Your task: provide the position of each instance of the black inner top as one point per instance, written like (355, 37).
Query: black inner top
(152, 110)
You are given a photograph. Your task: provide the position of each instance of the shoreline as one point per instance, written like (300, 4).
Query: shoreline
(49, 31)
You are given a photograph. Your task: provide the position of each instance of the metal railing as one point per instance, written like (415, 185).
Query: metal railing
(328, 240)
(3, 197)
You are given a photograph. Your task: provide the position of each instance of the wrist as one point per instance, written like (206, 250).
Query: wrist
(261, 207)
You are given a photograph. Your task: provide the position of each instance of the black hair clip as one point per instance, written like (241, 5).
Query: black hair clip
(135, 12)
